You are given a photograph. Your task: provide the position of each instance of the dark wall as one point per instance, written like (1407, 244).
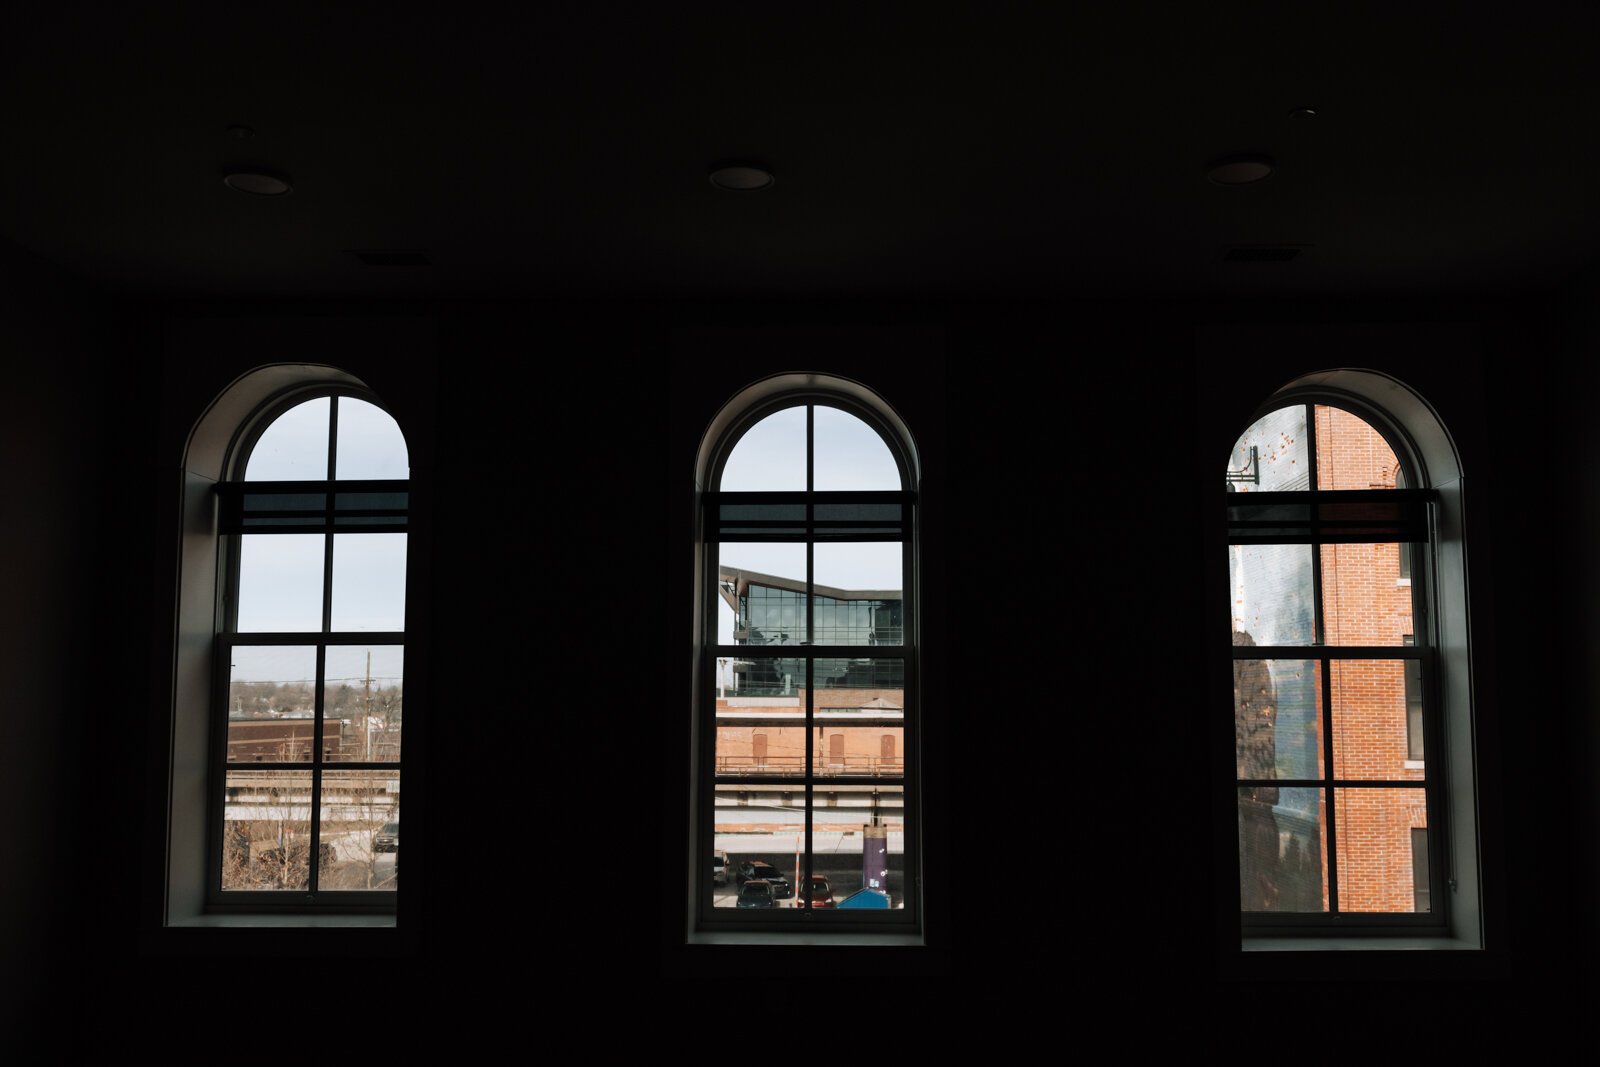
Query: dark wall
(1068, 452)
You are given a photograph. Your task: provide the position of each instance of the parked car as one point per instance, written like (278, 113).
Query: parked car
(821, 893)
(387, 839)
(719, 867)
(757, 893)
(753, 869)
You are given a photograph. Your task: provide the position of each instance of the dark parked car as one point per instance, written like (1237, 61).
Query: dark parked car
(757, 893)
(821, 893)
(387, 839)
(753, 869)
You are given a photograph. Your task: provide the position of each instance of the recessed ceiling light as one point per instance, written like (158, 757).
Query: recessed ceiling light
(742, 178)
(1240, 170)
(257, 183)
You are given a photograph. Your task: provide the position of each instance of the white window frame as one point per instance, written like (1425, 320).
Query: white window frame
(192, 794)
(1455, 871)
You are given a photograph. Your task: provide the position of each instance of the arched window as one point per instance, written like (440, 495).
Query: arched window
(303, 538)
(1348, 634)
(807, 629)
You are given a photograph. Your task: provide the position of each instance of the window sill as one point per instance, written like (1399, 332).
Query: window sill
(875, 940)
(1354, 944)
(247, 919)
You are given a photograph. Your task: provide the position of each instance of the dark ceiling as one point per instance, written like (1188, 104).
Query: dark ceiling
(564, 153)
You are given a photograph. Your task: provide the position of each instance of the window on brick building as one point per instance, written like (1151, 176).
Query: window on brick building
(806, 629)
(1334, 668)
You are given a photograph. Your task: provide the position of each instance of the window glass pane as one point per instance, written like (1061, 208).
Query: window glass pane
(850, 454)
(752, 744)
(1282, 850)
(1423, 901)
(770, 457)
(363, 690)
(1277, 718)
(858, 593)
(1371, 733)
(1272, 455)
(846, 751)
(280, 582)
(1351, 454)
(360, 830)
(761, 832)
(761, 594)
(758, 684)
(266, 830)
(294, 448)
(370, 442)
(272, 703)
(1374, 843)
(858, 838)
(1273, 594)
(369, 582)
(1363, 603)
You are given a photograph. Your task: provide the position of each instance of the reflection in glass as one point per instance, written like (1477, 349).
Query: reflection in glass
(294, 448)
(369, 582)
(266, 830)
(1376, 864)
(764, 827)
(849, 454)
(1277, 718)
(1282, 850)
(370, 444)
(1273, 594)
(280, 582)
(761, 594)
(272, 703)
(1272, 456)
(858, 593)
(360, 830)
(770, 457)
(362, 702)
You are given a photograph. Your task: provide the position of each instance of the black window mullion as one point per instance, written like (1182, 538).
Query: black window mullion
(1327, 776)
(811, 673)
(316, 770)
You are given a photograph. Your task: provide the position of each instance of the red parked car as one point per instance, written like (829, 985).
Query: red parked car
(821, 893)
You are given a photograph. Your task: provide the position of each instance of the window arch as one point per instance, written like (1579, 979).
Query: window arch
(806, 629)
(288, 699)
(1351, 675)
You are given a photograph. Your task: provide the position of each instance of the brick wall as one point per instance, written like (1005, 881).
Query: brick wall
(1366, 602)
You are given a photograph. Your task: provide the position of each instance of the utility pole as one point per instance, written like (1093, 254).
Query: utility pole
(366, 714)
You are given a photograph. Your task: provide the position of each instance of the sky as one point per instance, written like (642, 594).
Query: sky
(295, 446)
(280, 575)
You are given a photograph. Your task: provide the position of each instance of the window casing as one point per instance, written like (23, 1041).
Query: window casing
(305, 766)
(1358, 688)
(825, 671)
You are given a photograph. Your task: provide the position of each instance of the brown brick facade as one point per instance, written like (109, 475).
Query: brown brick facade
(1366, 601)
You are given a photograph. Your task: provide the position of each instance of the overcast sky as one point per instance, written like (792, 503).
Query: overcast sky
(280, 575)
